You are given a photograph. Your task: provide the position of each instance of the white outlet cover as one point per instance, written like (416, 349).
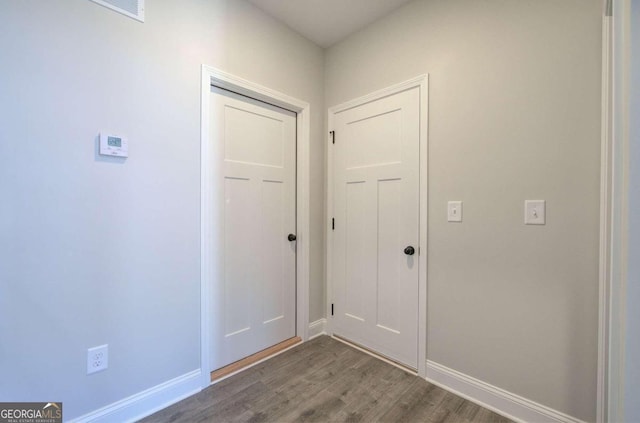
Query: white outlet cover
(97, 359)
(534, 212)
(454, 211)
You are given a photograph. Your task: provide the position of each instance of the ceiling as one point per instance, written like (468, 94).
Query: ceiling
(326, 22)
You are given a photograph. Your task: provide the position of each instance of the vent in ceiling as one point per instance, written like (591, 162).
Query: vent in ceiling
(132, 8)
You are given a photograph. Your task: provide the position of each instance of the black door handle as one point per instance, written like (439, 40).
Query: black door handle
(291, 237)
(409, 250)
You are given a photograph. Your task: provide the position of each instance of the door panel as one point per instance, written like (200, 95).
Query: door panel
(253, 294)
(357, 269)
(389, 265)
(238, 275)
(383, 132)
(243, 127)
(273, 230)
(376, 206)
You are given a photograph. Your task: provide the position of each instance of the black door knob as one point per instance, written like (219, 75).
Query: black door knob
(409, 250)
(291, 237)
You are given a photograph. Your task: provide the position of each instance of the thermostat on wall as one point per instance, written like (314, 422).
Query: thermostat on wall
(112, 145)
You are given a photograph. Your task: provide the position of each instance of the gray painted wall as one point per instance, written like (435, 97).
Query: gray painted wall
(514, 114)
(632, 336)
(96, 251)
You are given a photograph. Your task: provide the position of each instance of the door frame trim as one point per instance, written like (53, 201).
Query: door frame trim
(614, 191)
(422, 82)
(215, 77)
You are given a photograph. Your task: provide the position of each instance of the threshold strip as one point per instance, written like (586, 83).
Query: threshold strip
(249, 361)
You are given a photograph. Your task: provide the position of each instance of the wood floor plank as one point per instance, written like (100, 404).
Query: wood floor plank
(321, 408)
(417, 404)
(367, 407)
(248, 361)
(324, 380)
(235, 406)
(276, 367)
(299, 389)
(363, 376)
(468, 410)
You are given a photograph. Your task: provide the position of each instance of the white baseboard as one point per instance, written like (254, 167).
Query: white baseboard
(317, 328)
(493, 398)
(146, 402)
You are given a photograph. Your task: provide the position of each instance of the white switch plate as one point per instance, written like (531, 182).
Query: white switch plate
(534, 212)
(454, 211)
(97, 359)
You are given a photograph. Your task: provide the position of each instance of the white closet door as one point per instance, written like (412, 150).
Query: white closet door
(253, 293)
(376, 209)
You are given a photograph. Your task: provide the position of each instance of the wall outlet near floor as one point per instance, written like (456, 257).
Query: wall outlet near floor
(97, 359)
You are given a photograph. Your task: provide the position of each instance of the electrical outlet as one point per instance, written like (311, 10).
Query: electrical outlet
(97, 359)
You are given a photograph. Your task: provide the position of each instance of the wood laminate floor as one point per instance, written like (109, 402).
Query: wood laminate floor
(324, 380)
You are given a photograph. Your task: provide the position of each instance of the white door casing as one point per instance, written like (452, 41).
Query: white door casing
(209, 209)
(254, 289)
(379, 300)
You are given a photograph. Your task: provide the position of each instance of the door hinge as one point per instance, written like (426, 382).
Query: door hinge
(333, 137)
(332, 309)
(333, 224)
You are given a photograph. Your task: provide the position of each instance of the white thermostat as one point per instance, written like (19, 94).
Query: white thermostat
(112, 145)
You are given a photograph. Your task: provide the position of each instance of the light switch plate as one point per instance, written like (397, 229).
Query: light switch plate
(534, 212)
(454, 211)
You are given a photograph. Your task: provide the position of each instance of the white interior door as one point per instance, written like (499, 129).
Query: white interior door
(253, 292)
(376, 210)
